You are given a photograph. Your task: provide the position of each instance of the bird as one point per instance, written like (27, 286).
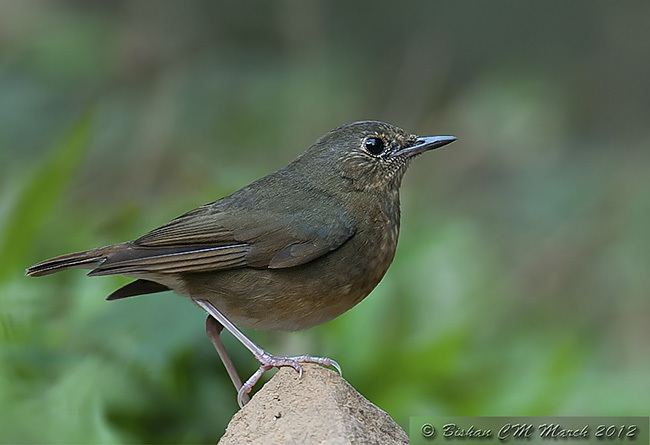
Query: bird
(289, 251)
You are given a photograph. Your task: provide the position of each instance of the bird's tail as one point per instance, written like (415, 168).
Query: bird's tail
(87, 259)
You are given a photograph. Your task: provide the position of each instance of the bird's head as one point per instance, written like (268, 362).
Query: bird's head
(369, 154)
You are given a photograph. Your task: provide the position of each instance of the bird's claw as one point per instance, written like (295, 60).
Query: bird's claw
(268, 362)
(323, 361)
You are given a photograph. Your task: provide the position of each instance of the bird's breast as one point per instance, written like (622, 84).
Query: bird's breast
(376, 244)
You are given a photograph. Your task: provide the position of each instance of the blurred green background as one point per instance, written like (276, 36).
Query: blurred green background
(521, 282)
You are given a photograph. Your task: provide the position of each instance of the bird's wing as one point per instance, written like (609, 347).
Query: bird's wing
(217, 238)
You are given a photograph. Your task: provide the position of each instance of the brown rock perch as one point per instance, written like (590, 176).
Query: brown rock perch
(319, 408)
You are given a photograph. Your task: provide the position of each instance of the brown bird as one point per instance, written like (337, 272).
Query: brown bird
(292, 250)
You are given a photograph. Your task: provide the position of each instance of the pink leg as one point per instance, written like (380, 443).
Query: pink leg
(213, 328)
(267, 361)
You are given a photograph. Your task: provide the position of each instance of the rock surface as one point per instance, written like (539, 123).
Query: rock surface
(319, 408)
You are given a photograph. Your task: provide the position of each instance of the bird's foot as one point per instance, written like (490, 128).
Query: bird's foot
(268, 361)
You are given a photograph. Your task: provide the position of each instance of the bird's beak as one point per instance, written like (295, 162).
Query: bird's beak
(425, 143)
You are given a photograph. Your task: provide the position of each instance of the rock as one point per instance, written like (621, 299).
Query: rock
(319, 408)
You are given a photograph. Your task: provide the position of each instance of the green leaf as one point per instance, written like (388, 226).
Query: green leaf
(41, 195)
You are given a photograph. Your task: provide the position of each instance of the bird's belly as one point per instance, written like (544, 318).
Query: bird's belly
(297, 297)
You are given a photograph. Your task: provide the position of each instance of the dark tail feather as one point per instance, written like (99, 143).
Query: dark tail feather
(87, 259)
(138, 287)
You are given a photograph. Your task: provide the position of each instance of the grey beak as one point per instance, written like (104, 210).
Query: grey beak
(425, 143)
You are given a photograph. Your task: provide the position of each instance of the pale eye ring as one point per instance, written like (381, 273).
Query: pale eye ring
(374, 145)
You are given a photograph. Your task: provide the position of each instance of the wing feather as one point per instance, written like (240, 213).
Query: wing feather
(194, 260)
(259, 227)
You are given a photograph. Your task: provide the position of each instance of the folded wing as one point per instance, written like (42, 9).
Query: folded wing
(211, 239)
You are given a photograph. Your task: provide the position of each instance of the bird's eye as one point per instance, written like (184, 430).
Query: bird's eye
(374, 146)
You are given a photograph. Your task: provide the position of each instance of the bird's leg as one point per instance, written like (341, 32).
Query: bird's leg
(213, 328)
(267, 361)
